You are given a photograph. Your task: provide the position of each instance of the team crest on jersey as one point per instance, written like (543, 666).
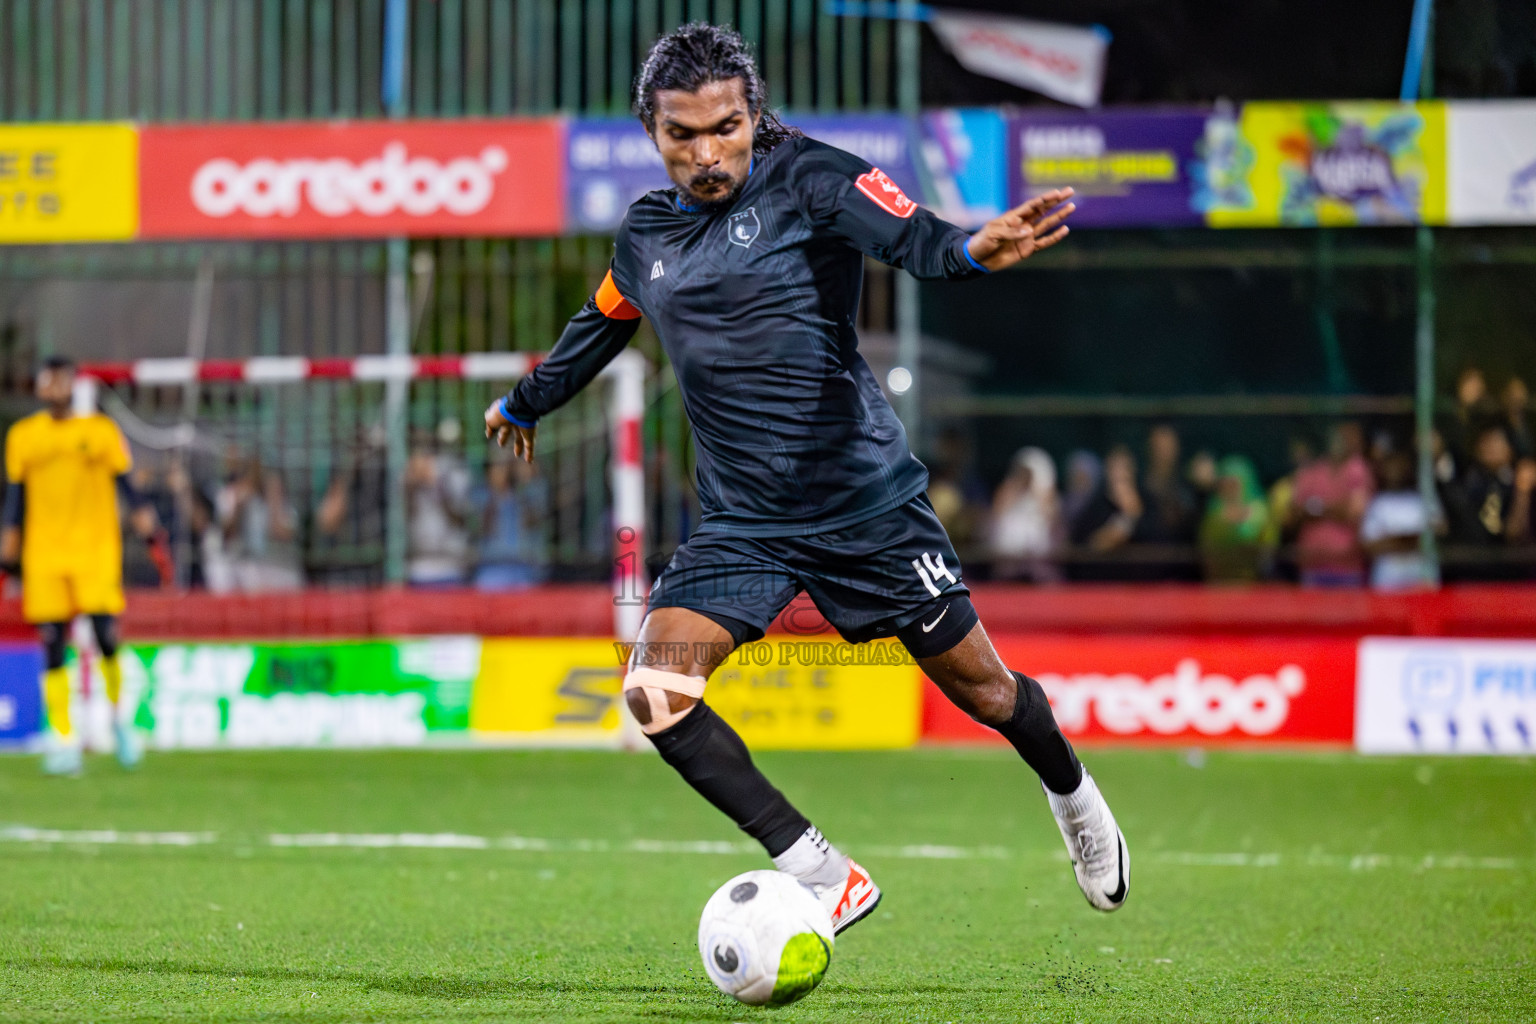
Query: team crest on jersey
(886, 193)
(744, 227)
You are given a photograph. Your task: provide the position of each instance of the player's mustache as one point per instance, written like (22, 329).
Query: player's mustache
(705, 179)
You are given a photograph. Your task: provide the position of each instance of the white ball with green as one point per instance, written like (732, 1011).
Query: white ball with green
(765, 938)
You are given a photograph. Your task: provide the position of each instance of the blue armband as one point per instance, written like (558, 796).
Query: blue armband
(506, 414)
(965, 249)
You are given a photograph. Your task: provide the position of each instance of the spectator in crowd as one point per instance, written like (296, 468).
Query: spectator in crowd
(514, 507)
(1474, 408)
(1110, 518)
(1026, 520)
(346, 546)
(1283, 515)
(1490, 503)
(259, 527)
(1331, 496)
(1171, 516)
(1201, 475)
(1235, 534)
(1085, 472)
(957, 492)
(1393, 524)
(1516, 399)
(436, 517)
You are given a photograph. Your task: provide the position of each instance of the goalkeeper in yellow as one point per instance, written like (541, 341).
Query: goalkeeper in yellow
(61, 524)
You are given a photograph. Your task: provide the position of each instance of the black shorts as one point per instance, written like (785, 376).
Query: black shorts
(869, 580)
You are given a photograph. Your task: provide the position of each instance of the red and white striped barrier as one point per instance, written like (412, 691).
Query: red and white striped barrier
(627, 407)
(292, 369)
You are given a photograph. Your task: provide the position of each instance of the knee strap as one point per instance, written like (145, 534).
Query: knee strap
(656, 684)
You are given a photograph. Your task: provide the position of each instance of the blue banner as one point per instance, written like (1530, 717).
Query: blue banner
(610, 163)
(21, 713)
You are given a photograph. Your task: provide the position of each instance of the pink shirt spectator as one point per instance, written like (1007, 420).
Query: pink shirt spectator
(1331, 544)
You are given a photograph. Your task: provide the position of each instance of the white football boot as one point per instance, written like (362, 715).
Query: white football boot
(851, 900)
(130, 748)
(1095, 844)
(62, 757)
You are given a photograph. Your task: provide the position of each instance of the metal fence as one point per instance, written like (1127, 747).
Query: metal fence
(214, 60)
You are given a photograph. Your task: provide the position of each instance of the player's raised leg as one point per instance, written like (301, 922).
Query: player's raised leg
(973, 676)
(62, 755)
(677, 652)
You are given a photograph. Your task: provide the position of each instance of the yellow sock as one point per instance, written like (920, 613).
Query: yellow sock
(112, 674)
(56, 698)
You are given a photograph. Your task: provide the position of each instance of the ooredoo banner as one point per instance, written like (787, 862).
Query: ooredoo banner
(1446, 696)
(1185, 690)
(352, 178)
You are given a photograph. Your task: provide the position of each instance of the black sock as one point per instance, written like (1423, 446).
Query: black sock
(709, 755)
(1033, 732)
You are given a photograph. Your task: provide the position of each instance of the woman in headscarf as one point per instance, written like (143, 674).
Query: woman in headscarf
(1236, 537)
(1026, 520)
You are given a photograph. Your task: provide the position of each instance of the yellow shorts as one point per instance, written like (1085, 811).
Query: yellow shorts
(60, 596)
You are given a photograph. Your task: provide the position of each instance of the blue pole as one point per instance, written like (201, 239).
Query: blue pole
(392, 71)
(1418, 40)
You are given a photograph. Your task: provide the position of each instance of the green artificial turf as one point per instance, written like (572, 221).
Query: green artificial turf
(1266, 887)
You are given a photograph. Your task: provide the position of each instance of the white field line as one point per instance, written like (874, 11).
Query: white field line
(23, 834)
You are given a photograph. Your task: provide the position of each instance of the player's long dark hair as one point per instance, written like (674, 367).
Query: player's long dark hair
(699, 53)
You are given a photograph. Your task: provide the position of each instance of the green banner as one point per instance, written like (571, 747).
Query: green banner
(350, 694)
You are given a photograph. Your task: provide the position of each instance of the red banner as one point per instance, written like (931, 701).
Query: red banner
(1181, 690)
(352, 178)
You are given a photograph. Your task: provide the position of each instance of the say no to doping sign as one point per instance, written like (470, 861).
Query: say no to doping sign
(353, 179)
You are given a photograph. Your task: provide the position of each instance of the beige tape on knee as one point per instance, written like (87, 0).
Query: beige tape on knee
(656, 684)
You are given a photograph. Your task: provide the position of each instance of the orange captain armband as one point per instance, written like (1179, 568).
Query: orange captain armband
(613, 305)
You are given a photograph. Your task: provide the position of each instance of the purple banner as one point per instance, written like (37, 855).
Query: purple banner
(611, 163)
(1129, 169)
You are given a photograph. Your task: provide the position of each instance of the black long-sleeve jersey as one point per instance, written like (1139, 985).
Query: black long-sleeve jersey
(755, 305)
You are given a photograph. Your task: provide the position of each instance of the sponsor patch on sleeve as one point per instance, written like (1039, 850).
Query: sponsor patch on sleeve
(886, 193)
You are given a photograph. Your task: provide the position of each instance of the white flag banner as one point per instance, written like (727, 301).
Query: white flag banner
(1064, 62)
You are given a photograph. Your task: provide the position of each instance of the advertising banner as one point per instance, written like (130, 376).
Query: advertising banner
(786, 693)
(1130, 169)
(1325, 164)
(68, 182)
(1491, 162)
(370, 693)
(964, 154)
(1180, 690)
(352, 179)
(610, 163)
(1446, 696)
(548, 692)
(20, 697)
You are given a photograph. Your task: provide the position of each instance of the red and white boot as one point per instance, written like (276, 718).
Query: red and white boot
(851, 900)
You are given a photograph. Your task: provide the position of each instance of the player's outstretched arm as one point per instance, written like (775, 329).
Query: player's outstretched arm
(589, 342)
(1023, 231)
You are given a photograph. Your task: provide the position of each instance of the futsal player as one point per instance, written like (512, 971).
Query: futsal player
(749, 270)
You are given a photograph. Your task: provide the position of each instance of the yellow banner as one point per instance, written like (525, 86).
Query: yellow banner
(547, 692)
(792, 694)
(68, 182)
(779, 693)
(1328, 164)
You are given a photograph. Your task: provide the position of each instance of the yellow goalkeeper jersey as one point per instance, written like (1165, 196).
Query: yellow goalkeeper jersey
(70, 469)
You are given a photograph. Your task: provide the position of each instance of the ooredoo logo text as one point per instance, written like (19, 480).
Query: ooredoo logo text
(392, 182)
(1186, 698)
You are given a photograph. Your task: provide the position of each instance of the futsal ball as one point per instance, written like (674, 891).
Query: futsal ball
(765, 938)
